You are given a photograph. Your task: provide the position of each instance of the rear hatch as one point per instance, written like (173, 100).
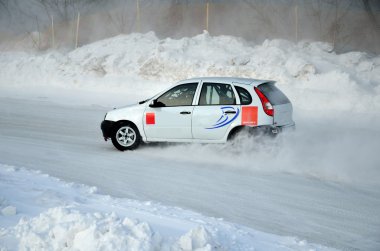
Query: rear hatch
(283, 109)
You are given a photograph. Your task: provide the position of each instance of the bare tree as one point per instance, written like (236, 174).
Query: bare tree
(368, 8)
(262, 19)
(341, 9)
(66, 9)
(122, 20)
(4, 5)
(174, 17)
(331, 19)
(317, 13)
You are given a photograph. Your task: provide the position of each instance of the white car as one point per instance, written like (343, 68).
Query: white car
(205, 110)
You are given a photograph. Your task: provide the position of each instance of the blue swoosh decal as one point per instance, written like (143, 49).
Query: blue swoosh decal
(221, 122)
(226, 107)
(220, 118)
(226, 120)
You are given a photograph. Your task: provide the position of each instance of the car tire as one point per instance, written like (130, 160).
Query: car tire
(126, 136)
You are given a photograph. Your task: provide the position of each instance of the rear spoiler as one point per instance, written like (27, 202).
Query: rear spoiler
(262, 82)
(256, 82)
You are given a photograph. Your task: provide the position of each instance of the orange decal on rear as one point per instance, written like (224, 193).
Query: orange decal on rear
(249, 115)
(150, 118)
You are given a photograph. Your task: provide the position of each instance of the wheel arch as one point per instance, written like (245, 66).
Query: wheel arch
(138, 126)
(117, 123)
(234, 131)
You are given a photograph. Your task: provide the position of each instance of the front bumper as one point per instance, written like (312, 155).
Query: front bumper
(107, 128)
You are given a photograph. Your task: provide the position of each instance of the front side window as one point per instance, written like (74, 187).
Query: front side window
(180, 95)
(217, 94)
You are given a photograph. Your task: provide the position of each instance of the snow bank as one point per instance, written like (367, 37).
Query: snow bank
(139, 65)
(53, 215)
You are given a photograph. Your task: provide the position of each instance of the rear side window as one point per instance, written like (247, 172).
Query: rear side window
(217, 94)
(275, 96)
(245, 97)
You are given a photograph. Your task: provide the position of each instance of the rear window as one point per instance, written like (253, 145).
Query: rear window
(245, 97)
(275, 96)
(217, 94)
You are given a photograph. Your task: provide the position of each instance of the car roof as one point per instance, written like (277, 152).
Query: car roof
(245, 81)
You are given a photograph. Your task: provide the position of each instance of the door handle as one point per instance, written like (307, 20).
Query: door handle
(185, 113)
(229, 112)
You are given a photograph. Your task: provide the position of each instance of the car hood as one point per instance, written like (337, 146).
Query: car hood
(126, 112)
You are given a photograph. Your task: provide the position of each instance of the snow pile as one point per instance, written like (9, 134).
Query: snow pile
(139, 65)
(61, 228)
(197, 239)
(9, 210)
(52, 215)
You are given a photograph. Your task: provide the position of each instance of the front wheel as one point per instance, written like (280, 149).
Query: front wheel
(126, 137)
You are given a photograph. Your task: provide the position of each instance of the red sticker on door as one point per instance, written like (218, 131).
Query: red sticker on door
(150, 118)
(249, 115)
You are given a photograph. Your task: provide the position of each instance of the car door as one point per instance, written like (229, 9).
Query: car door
(171, 118)
(216, 111)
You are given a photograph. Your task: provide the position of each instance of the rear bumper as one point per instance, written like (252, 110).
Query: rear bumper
(285, 128)
(274, 130)
(107, 128)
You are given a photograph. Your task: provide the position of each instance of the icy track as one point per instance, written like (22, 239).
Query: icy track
(320, 183)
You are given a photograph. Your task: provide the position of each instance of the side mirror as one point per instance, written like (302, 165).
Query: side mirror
(151, 104)
(154, 103)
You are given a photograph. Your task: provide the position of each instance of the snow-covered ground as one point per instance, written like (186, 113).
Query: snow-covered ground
(39, 212)
(320, 183)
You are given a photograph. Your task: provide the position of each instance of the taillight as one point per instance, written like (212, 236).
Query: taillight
(267, 106)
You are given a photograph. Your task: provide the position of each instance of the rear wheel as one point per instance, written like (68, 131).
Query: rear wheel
(126, 137)
(245, 136)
